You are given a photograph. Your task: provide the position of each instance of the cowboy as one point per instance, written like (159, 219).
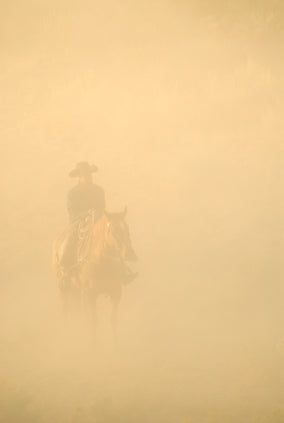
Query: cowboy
(81, 198)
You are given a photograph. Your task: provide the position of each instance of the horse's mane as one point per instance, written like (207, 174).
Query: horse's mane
(99, 246)
(95, 248)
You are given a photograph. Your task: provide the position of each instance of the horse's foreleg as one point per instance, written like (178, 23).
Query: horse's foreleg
(94, 318)
(90, 307)
(93, 315)
(114, 315)
(64, 296)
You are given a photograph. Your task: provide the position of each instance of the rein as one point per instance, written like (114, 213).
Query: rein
(85, 230)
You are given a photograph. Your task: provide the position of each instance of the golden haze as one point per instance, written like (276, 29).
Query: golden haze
(180, 104)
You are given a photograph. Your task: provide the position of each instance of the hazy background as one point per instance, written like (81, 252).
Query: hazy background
(180, 104)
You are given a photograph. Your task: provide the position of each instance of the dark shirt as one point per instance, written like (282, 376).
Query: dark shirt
(82, 198)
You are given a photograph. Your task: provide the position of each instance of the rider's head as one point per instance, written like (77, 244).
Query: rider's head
(83, 171)
(85, 178)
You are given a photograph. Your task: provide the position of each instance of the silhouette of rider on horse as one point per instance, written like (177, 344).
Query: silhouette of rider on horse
(84, 197)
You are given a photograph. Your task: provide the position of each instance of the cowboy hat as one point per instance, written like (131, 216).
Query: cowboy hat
(82, 168)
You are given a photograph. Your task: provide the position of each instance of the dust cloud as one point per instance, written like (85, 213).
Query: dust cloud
(180, 104)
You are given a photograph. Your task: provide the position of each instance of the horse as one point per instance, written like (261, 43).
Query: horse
(104, 249)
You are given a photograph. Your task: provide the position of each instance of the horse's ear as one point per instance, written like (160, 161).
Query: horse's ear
(124, 213)
(107, 214)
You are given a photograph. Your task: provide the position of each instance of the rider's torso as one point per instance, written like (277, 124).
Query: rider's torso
(83, 198)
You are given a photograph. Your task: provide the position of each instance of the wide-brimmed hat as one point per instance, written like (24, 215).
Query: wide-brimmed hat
(82, 168)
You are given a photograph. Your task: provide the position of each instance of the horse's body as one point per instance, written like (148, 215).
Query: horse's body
(101, 269)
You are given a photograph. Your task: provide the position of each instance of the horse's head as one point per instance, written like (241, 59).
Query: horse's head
(117, 235)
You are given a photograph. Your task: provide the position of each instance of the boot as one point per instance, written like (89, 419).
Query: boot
(129, 275)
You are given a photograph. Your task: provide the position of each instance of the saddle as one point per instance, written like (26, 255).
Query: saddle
(77, 233)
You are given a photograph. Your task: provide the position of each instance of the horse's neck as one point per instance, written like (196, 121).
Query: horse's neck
(99, 247)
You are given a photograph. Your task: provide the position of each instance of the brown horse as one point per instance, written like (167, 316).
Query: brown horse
(104, 249)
